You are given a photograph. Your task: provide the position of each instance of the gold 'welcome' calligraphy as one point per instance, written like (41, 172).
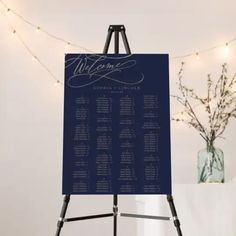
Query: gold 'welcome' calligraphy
(85, 70)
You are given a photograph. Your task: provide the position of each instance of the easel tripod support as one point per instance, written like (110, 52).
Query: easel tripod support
(117, 29)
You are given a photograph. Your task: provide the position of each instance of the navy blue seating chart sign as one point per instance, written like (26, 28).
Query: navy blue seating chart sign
(116, 124)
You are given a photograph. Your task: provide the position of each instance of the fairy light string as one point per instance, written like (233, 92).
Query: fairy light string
(68, 43)
(31, 53)
(40, 29)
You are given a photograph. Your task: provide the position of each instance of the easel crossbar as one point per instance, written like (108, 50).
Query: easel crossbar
(88, 217)
(146, 216)
(119, 214)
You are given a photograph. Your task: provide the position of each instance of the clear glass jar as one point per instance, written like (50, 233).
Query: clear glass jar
(210, 165)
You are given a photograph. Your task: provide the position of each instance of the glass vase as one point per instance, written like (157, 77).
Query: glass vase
(211, 165)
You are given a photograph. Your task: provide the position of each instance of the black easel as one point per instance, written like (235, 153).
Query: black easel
(117, 30)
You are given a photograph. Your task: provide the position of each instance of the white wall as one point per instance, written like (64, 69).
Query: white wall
(31, 107)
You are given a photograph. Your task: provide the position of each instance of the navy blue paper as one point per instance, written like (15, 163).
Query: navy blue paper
(116, 124)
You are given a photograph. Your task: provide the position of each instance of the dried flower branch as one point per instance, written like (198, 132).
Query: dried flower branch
(222, 93)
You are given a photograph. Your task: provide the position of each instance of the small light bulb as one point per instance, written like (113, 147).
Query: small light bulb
(56, 83)
(212, 103)
(233, 88)
(182, 115)
(13, 32)
(34, 58)
(38, 29)
(197, 56)
(226, 49)
(67, 45)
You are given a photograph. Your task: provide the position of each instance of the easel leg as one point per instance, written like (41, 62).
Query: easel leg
(174, 214)
(115, 211)
(125, 40)
(108, 40)
(62, 215)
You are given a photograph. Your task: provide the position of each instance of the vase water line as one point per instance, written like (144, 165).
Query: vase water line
(211, 165)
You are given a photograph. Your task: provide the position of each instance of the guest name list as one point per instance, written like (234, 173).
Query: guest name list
(116, 124)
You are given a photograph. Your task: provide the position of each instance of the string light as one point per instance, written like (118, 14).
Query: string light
(56, 83)
(35, 26)
(13, 32)
(33, 56)
(67, 45)
(197, 56)
(212, 103)
(182, 115)
(226, 49)
(38, 29)
(21, 17)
